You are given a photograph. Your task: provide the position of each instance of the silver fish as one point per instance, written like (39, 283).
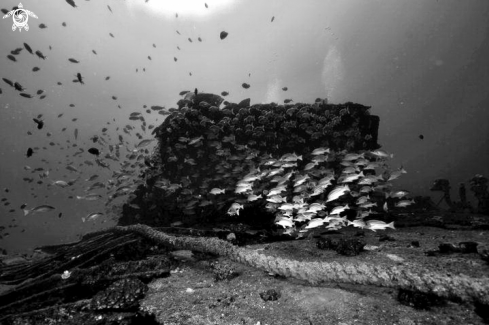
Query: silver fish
(144, 143)
(40, 208)
(337, 192)
(404, 203)
(61, 183)
(92, 216)
(377, 224)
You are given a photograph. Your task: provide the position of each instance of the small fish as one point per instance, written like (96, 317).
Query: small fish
(190, 40)
(29, 152)
(61, 183)
(334, 220)
(195, 140)
(92, 216)
(339, 209)
(224, 93)
(18, 86)
(75, 133)
(421, 136)
(381, 154)
(404, 203)
(35, 69)
(286, 101)
(243, 189)
(234, 209)
(92, 178)
(396, 174)
(28, 48)
(42, 26)
(40, 91)
(63, 24)
(357, 223)
(216, 191)
(39, 123)
(189, 161)
(40, 55)
(285, 88)
(314, 223)
(396, 194)
(79, 78)
(273, 18)
(284, 222)
(12, 58)
(253, 197)
(109, 8)
(352, 177)
(102, 163)
(8, 82)
(71, 168)
(94, 151)
(25, 95)
(175, 59)
(73, 60)
(144, 143)
(94, 52)
(286, 206)
(71, 3)
(353, 156)
(377, 224)
(16, 51)
(337, 192)
(200, 39)
(245, 85)
(206, 5)
(112, 35)
(223, 35)
(310, 165)
(41, 208)
(89, 197)
(320, 151)
(277, 199)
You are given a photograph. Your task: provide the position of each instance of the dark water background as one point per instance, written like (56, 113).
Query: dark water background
(421, 64)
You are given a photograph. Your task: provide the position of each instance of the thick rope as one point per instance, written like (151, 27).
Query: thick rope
(452, 287)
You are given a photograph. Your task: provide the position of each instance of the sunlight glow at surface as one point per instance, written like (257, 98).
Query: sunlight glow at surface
(184, 8)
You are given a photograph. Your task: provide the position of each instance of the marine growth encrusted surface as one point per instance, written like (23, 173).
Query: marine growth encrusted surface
(202, 146)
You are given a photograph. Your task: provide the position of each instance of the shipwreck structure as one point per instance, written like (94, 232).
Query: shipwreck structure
(203, 147)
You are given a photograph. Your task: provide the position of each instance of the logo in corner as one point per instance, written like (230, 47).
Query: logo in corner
(20, 17)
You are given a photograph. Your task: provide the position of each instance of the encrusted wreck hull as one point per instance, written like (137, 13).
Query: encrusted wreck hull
(202, 147)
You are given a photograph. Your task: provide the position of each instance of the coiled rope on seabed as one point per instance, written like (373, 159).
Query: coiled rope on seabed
(462, 287)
